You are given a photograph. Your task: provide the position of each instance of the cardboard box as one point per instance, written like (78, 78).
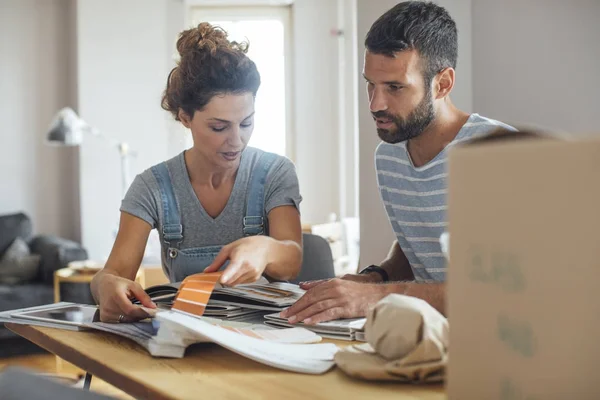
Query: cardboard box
(524, 273)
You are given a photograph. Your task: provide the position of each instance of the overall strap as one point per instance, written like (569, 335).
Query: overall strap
(255, 220)
(172, 231)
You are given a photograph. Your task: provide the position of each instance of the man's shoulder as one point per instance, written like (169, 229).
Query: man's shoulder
(386, 150)
(478, 125)
(481, 120)
(390, 157)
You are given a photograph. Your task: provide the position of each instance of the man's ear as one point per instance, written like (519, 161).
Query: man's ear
(185, 119)
(443, 83)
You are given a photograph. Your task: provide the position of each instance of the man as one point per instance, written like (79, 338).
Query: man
(409, 66)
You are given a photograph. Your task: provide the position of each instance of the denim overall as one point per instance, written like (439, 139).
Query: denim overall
(183, 262)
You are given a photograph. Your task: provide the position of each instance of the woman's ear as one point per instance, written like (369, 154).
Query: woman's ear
(184, 118)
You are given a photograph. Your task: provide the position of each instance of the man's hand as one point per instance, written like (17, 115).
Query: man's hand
(332, 299)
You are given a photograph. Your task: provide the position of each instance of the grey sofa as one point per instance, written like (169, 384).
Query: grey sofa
(55, 253)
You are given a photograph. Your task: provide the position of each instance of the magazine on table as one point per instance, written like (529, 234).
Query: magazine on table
(260, 295)
(341, 329)
(171, 332)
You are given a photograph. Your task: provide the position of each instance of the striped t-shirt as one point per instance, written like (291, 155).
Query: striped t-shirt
(415, 198)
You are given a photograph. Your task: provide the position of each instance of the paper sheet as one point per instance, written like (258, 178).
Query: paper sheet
(307, 358)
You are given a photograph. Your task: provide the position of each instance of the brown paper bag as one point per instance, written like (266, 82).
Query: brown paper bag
(407, 340)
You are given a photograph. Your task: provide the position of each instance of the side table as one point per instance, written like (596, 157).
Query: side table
(72, 276)
(147, 275)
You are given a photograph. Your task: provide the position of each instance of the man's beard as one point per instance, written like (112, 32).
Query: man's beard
(408, 128)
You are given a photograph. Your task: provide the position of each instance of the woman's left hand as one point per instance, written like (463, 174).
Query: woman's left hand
(248, 258)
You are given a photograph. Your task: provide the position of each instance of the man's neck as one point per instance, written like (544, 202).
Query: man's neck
(442, 130)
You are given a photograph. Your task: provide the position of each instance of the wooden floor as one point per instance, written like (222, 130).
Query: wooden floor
(47, 363)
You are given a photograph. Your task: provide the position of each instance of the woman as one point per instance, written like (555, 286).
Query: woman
(216, 203)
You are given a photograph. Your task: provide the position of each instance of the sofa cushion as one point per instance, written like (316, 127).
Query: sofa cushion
(56, 253)
(18, 265)
(13, 226)
(22, 296)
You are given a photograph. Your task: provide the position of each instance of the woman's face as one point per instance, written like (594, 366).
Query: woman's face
(221, 131)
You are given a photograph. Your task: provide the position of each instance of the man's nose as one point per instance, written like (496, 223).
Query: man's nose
(377, 102)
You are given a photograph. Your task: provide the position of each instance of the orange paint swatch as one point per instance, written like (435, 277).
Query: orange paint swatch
(194, 292)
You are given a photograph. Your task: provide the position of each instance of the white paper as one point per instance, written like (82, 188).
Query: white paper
(307, 358)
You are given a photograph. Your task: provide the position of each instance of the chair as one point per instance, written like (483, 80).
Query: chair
(317, 260)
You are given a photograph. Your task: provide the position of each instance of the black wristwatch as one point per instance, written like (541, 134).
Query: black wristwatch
(376, 268)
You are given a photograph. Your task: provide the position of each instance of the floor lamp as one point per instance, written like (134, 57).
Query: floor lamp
(68, 129)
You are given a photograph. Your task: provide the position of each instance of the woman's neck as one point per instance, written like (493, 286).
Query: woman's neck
(202, 172)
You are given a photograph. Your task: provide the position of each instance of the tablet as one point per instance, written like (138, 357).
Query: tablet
(72, 314)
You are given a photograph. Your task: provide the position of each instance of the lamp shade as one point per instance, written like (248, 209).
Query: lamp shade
(67, 129)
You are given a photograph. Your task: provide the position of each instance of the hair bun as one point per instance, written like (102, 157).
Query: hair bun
(206, 37)
(209, 64)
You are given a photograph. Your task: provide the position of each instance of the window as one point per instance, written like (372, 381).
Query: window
(268, 31)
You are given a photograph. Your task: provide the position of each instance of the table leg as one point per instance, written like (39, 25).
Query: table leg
(56, 288)
(87, 381)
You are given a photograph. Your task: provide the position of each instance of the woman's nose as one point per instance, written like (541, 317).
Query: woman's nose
(235, 137)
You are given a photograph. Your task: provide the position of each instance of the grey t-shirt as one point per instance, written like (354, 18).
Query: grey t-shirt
(143, 200)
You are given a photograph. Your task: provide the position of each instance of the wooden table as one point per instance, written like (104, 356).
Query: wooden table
(207, 371)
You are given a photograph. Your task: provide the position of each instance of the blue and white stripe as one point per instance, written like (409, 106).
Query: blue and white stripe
(415, 198)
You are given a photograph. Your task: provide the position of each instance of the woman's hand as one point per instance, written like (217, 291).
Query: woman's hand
(248, 257)
(110, 287)
(279, 255)
(114, 298)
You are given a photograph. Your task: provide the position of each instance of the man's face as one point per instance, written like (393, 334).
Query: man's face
(401, 105)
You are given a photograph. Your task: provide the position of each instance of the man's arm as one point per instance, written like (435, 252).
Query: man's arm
(396, 265)
(353, 295)
(433, 293)
(398, 268)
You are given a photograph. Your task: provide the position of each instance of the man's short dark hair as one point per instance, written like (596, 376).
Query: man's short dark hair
(423, 26)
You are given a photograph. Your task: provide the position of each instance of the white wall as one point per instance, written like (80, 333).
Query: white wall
(536, 62)
(376, 234)
(348, 92)
(315, 114)
(124, 56)
(35, 66)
